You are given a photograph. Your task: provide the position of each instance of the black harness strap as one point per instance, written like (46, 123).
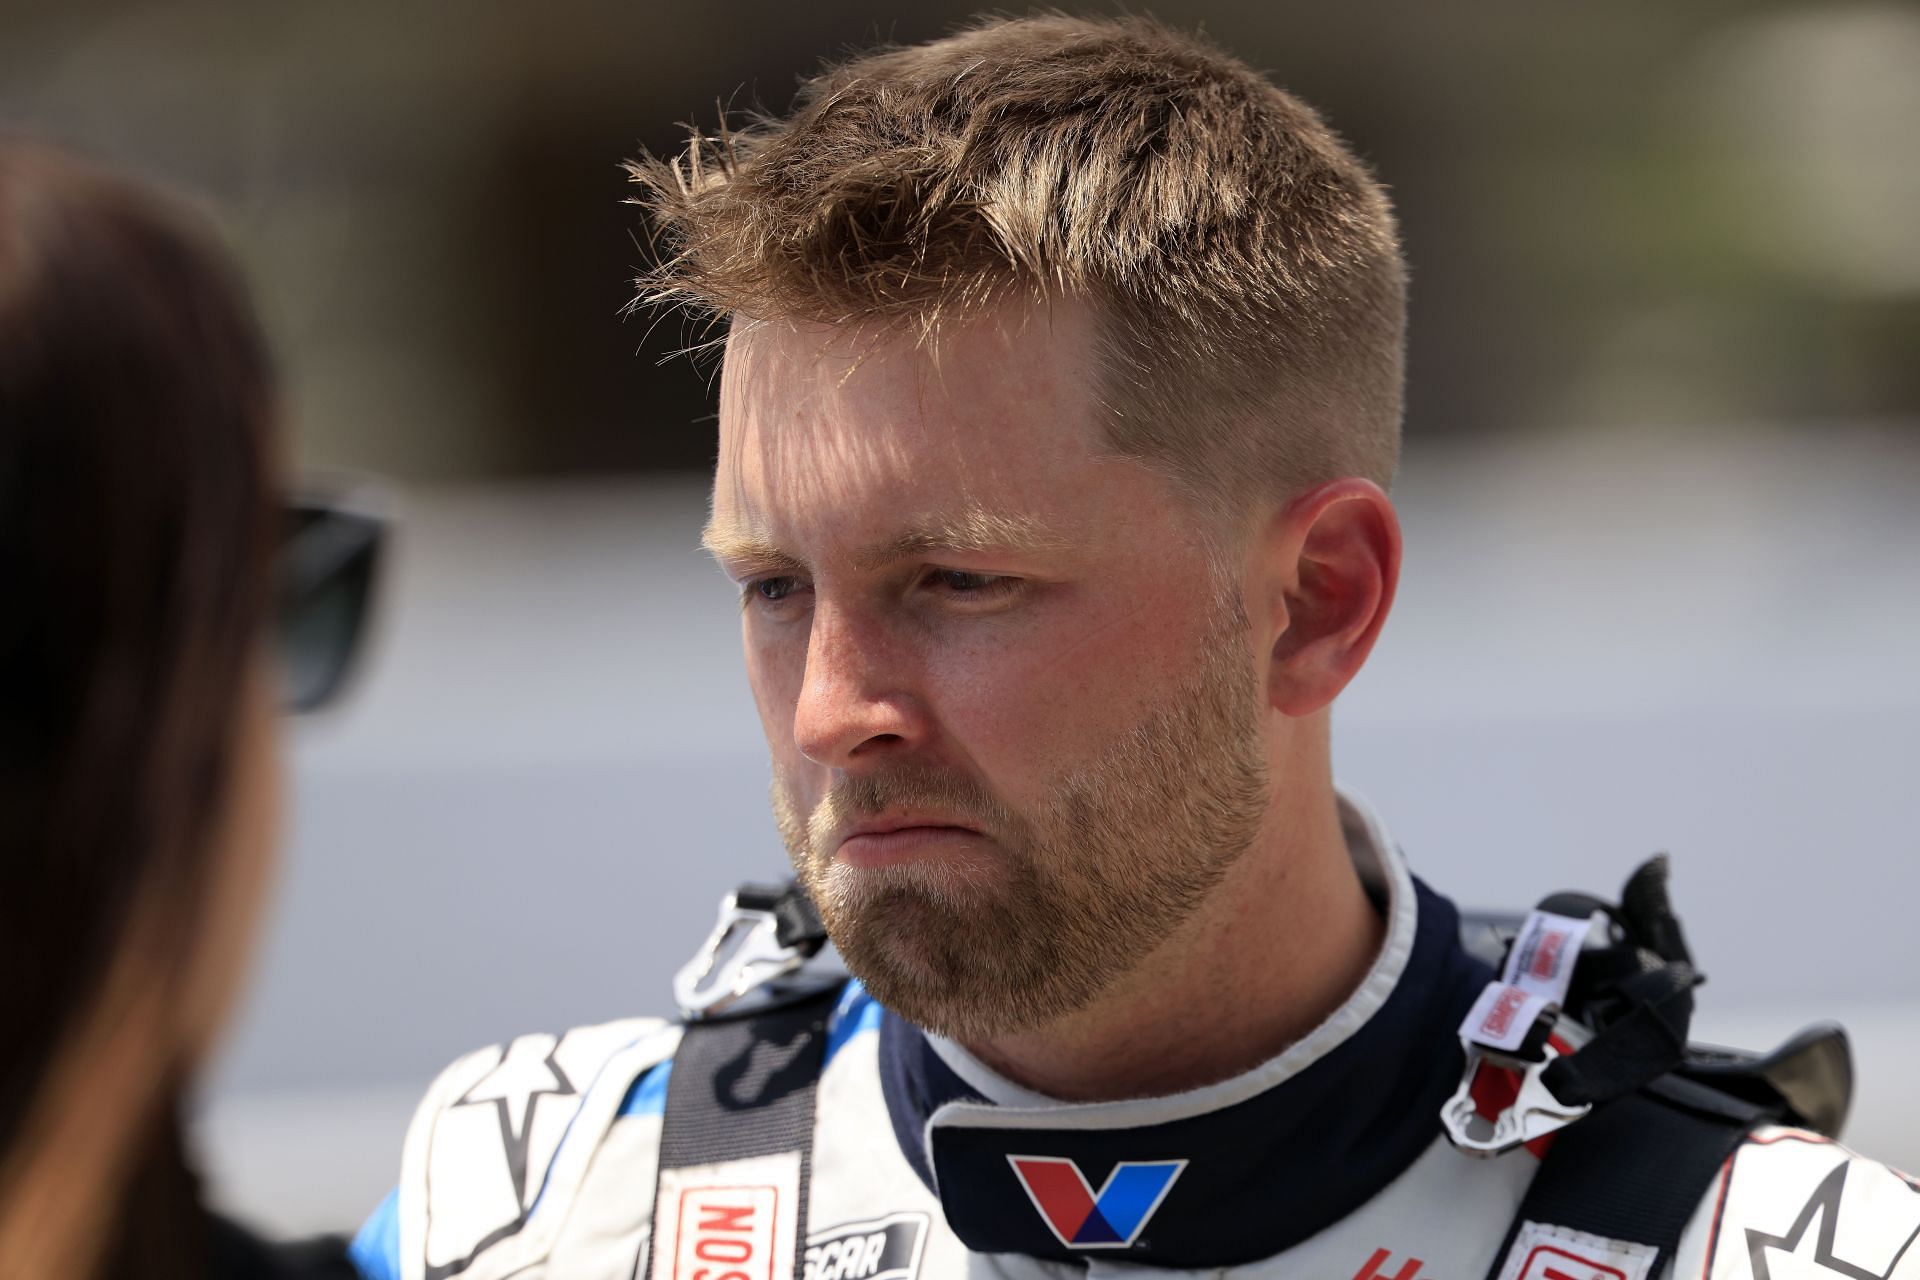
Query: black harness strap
(1646, 1042)
(1636, 1168)
(743, 1087)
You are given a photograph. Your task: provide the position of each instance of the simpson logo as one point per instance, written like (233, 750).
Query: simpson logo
(732, 1221)
(1544, 953)
(1498, 1023)
(1079, 1217)
(1545, 960)
(884, 1249)
(1538, 972)
(1545, 1252)
(1502, 1016)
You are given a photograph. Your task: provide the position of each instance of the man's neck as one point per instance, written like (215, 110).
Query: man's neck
(1282, 942)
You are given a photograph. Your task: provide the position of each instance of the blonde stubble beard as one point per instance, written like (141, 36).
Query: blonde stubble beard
(1068, 898)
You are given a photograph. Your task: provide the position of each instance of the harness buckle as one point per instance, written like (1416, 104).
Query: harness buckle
(1534, 1112)
(742, 954)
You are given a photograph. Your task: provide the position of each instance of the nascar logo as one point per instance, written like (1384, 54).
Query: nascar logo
(884, 1249)
(1080, 1217)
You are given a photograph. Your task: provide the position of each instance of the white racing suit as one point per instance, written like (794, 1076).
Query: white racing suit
(540, 1160)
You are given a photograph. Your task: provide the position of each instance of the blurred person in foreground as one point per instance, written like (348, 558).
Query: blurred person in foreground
(1061, 396)
(139, 797)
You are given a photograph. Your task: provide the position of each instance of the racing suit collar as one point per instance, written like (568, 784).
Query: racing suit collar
(1199, 1178)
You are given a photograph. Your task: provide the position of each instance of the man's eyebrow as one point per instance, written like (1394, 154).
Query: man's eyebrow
(731, 546)
(972, 531)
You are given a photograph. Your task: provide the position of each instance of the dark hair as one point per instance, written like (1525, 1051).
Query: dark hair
(136, 531)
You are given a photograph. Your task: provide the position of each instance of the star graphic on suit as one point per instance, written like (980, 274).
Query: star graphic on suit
(525, 1073)
(1780, 1258)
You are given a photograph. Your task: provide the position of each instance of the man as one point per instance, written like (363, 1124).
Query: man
(1061, 396)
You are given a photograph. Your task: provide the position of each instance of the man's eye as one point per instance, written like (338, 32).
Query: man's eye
(770, 590)
(960, 582)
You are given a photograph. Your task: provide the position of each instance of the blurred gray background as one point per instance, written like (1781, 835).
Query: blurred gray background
(1662, 494)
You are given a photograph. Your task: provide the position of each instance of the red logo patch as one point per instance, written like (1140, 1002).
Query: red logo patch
(726, 1233)
(1499, 1019)
(1549, 1263)
(1546, 955)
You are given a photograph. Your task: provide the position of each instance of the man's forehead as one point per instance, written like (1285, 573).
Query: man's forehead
(987, 442)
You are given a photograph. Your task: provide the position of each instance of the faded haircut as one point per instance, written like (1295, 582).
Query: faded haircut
(1242, 264)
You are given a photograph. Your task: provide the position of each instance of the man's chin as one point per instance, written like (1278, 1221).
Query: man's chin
(899, 921)
(914, 945)
(926, 989)
(948, 886)
(957, 1002)
(955, 968)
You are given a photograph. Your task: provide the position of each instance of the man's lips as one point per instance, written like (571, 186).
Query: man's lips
(882, 842)
(904, 822)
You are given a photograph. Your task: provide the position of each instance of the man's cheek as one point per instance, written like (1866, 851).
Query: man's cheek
(775, 680)
(793, 807)
(1026, 708)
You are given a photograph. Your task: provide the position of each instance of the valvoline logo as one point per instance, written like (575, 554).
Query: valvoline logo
(1081, 1218)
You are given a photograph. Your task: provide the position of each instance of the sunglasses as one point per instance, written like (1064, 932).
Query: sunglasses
(330, 552)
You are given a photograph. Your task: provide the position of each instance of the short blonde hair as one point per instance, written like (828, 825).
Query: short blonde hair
(1242, 263)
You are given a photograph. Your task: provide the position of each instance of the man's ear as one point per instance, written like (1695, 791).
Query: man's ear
(1327, 564)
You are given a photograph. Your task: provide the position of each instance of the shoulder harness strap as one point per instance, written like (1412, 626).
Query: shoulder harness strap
(736, 1143)
(1618, 1189)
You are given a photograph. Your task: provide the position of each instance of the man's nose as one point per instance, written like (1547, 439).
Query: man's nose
(855, 705)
